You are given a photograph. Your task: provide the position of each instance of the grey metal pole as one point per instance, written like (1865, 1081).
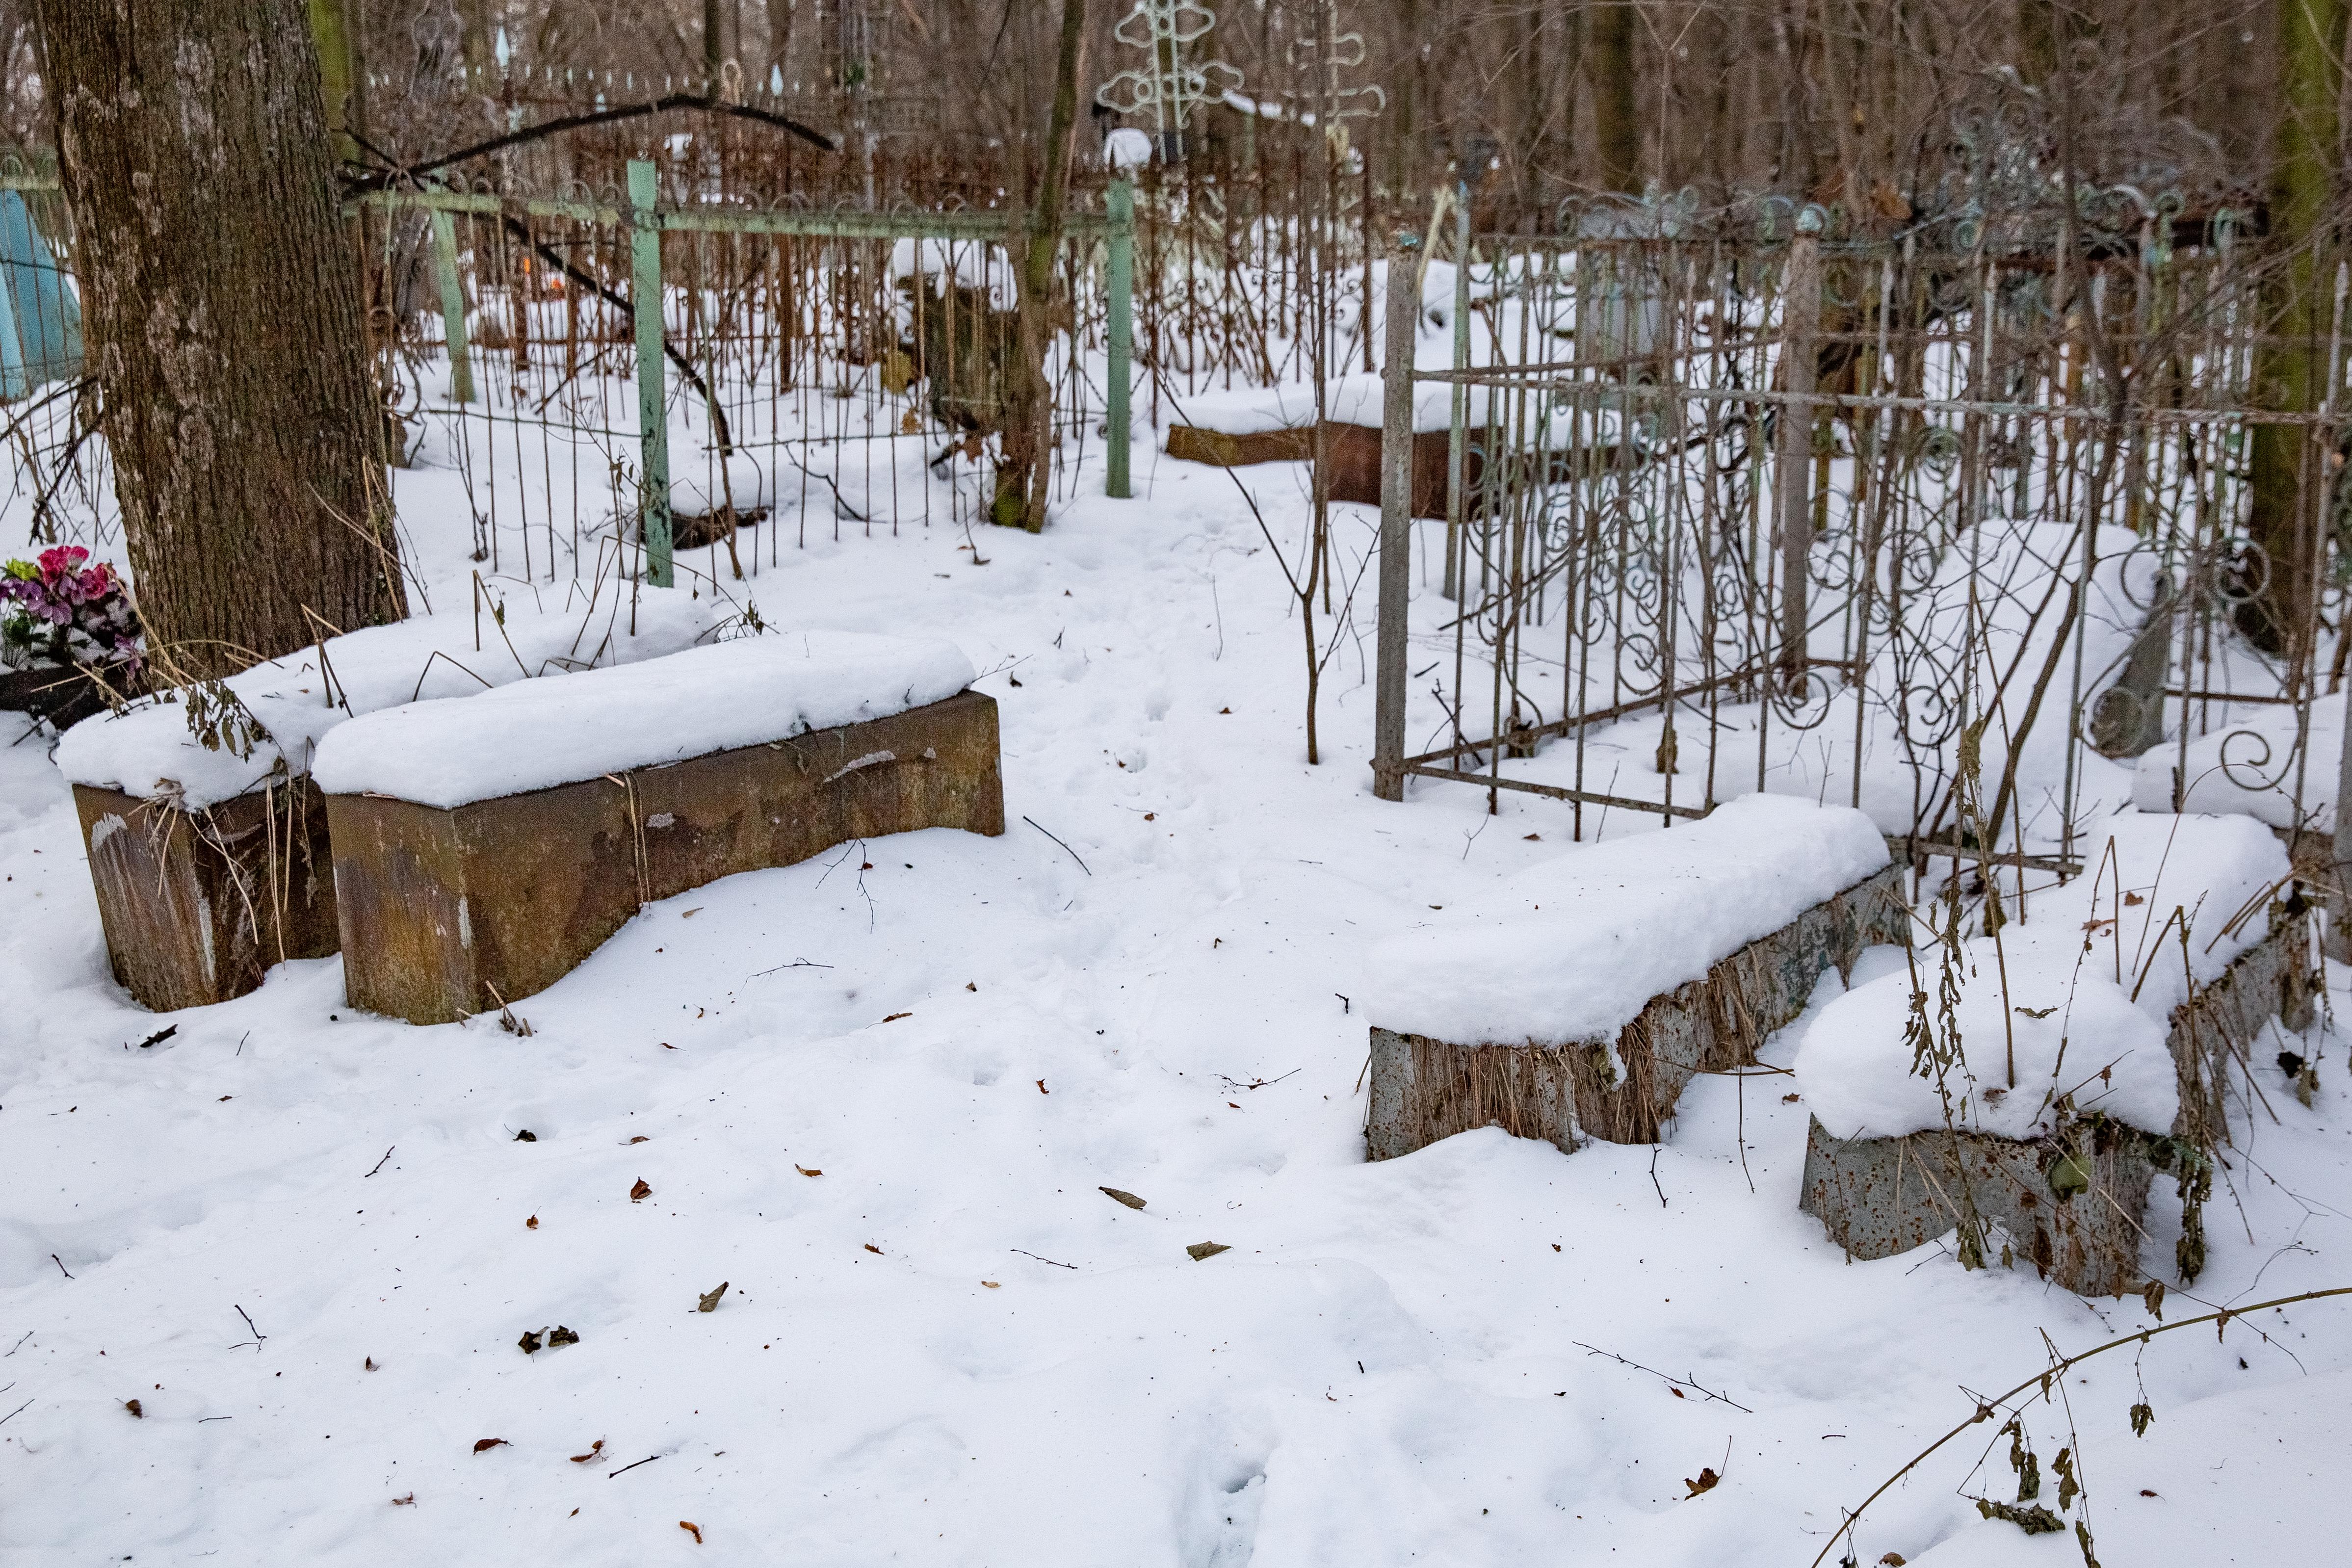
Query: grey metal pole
(652, 407)
(1119, 424)
(1396, 518)
(1801, 315)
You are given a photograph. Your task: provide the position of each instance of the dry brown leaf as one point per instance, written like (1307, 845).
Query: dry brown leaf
(562, 1336)
(593, 1449)
(405, 1501)
(1041, 1088)
(693, 1529)
(873, 1249)
(708, 1300)
(1204, 1249)
(896, 1016)
(368, 1364)
(531, 1224)
(992, 1285)
(641, 1191)
(529, 1342)
(485, 1445)
(1115, 1195)
(641, 1137)
(805, 1170)
(1705, 1483)
(135, 1408)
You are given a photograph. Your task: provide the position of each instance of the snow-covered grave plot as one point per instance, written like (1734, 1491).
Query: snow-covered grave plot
(2248, 761)
(1580, 998)
(483, 849)
(2025, 1088)
(209, 847)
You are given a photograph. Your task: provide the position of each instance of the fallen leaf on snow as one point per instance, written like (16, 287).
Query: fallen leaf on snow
(896, 1016)
(405, 1501)
(485, 1445)
(562, 1336)
(526, 1136)
(368, 1364)
(689, 914)
(1705, 1483)
(1129, 1199)
(1200, 1249)
(993, 1284)
(641, 1137)
(593, 1449)
(133, 1406)
(641, 1191)
(529, 1342)
(693, 1529)
(873, 1249)
(1041, 1088)
(531, 1224)
(709, 1299)
(805, 1170)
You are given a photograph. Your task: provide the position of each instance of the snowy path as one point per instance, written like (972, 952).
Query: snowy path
(950, 1347)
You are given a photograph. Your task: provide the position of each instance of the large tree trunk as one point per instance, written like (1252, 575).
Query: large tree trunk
(2289, 372)
(1028, 434)
(223, 308)
(1616, 115)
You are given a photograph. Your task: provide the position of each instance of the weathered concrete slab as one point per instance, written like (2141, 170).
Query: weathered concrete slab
(1424, 1090)
(1880, 1196)
(449, 913)
(196, 905)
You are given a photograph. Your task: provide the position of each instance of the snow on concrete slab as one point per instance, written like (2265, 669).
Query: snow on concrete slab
(149, 751)
(1573, 949)
(746, 693)
(2078, 994)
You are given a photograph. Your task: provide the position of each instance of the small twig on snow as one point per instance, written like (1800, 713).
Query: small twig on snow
(1056, 838)
(1653, 1372)
(379, 1164)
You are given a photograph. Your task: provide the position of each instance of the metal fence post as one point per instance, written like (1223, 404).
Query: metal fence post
(1120, 329)
(1458, 445)
(453, 306)
(1396, 520)
(1801, 315)
(653, 407)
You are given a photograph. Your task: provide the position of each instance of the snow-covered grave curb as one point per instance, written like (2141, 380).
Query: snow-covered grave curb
(210, 860)
(484, 848)
(2123, 998)
(1579, 998)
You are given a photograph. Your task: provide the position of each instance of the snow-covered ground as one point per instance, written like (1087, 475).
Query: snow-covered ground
(878, 1095)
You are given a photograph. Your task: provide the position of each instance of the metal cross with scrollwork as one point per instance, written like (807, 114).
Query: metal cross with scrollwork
(1169, 86)
(1330, 52)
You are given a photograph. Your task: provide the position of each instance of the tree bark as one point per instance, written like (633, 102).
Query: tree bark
(1616, 123)
(1028, 434)
(2289, 372)
(223, 311)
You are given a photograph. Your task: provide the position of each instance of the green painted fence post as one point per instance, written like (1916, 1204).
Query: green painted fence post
(652, 407)
(1118, 420)
(453, 306)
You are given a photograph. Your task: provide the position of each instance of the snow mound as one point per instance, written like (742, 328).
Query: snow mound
(2251, 766)
(1573, 949)
(2172, 1497)
(742, 693)
(148, 750)
(2079, 993)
